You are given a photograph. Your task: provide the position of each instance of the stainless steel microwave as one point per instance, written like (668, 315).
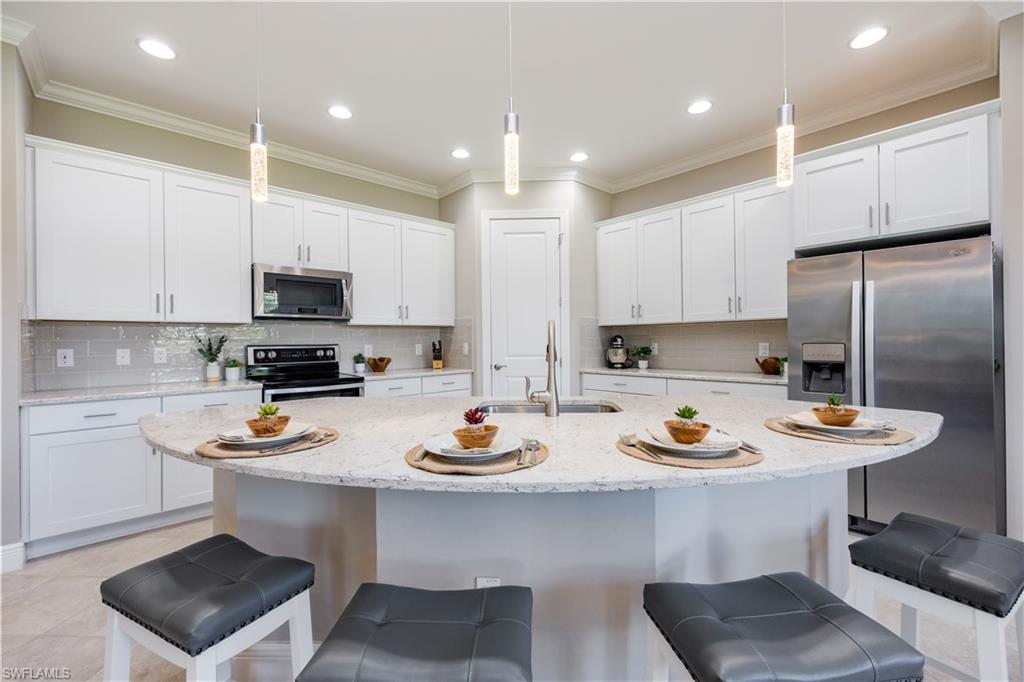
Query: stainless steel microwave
(301, 293)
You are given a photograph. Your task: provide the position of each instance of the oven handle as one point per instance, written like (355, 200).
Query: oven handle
(267, 393)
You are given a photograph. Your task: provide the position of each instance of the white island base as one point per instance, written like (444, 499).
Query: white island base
(586, 555)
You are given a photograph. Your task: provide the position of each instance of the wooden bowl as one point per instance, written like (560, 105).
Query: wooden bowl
(378, 364)
(686, 434)
(271, 426)
(476, 438)
(829, 417)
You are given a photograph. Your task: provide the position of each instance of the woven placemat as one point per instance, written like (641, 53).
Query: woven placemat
(741, 458)
(216, 450)
(504, 465)
(896, 437)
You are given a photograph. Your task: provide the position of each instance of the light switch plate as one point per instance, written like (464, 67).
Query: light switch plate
(465, 349)
(65, 357)
(124, 356)
(486, 581)
(654, 347)
(159, 356)
(763, 350)
(368, 350)
(419, 349)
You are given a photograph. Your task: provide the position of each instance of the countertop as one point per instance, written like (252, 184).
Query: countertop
(694, 374)
(413, 373)
(82, 395)
(375, 437)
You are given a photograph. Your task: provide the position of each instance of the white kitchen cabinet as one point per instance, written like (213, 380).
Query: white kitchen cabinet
(835, 198)
(709, 271)
(324, 236)
(632, 385)
(448, 384)
(428, 274)
(393, 388)
(376, 265)
(935, 178)
(277, 230)
(616, 273)
(763, 249)
(206, 250)
(659, 268)
(98, 238)
(694, 387)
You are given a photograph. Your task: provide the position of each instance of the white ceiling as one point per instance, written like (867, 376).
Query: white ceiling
(613, 79)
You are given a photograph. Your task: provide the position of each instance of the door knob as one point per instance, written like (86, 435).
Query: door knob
(499, 367)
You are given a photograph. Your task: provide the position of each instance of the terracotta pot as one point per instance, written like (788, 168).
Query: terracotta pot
(268, 426)
(378, 364)
(480, 437)
(687, 434)
(830, 417)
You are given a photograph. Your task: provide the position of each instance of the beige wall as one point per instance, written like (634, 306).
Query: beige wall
(71, 124)
(760, 164)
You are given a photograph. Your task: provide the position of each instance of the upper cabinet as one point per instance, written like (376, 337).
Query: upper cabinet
(763, 248)
(616, 273)
(659, 271)
(325, 235)
(293, 231)
(835, 198)
(428, 274)
(709, 274)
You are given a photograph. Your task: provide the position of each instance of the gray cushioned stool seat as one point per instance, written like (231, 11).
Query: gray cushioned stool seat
(200, 594)
(983, 570)
(389, 633)
(776, 627)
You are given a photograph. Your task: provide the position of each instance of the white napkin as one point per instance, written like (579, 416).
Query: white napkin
(466, 451)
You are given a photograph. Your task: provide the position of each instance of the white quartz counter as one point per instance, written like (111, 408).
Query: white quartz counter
(583, 458)
(413, 373)
(693, 374)
(81, 395)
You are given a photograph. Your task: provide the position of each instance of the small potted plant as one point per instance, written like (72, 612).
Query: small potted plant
(834, 413)
(210, 350)
(268, 422)
(641, 353)
(359, 363)
(686, 429)
(232, 369)
(475, 434)
(783, 365)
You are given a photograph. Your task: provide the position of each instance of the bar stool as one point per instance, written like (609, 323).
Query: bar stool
(203, 604)
(959, 574)
(389, 633)
(775, 627)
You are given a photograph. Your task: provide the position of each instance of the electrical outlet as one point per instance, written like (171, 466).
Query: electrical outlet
(763, 350)
(124, 356)
(419, 349)
(65, 357)
(159, 356)
(654, 347)
(368, 350)
(484, 581)
(465, 349)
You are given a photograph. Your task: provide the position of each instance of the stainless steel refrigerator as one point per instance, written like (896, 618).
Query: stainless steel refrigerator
(913, 327)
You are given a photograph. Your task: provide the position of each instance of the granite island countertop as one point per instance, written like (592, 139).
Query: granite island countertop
(583, 457)
(693, 374)
(82, 395)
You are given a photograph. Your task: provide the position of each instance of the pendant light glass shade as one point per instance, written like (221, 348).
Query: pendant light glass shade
(258, 159)
(511, 153)
(784, 138)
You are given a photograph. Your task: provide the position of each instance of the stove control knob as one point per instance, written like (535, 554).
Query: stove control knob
(271, 354)
(260, 355)
(320, 353)
(330, 353)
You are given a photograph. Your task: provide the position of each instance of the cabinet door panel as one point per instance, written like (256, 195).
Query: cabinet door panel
(325, 234)
(207, 237)
(277, 230)
(616, 273)
(375, 254)
(763, 248)
(428, 274)
(709, 274)
(936, 178)
(99, 238)
(659, 271)
(835, 199)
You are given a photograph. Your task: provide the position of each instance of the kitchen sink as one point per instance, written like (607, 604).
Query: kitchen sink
(565, 408)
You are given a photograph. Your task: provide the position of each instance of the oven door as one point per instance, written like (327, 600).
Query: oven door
(301, 293)
(277, 394)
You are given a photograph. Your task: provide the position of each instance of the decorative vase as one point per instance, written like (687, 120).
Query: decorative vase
(232, 373)
(641, 364)
(359, 367)
(687, 432)
(212, 371)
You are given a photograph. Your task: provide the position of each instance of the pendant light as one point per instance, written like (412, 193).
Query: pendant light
(258, 134)
(511, 126)
(785, 133)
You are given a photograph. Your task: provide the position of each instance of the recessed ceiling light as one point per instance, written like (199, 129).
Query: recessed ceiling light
(155, 48)
(339, 111)
(699, 107)
(460, 153)
(868, 37)
(579, 156)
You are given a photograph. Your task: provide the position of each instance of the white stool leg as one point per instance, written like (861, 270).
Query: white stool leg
(202, 668)
(908, 624)
(1020, 638)
(991, 636)
(300, 634)
(656, 666)
(864, 592)
(224, 671)
(117, 660)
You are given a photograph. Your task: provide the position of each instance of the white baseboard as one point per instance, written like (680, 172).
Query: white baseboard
(12, 557)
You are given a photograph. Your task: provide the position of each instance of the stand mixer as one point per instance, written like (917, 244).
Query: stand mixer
(617, 357)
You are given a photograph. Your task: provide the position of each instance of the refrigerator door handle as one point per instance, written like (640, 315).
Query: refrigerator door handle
(855, 337)
(869, 343)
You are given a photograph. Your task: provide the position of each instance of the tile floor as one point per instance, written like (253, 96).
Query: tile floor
(52, 616)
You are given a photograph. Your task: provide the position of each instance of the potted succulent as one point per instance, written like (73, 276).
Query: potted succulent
(641, 353)
(686, 429)
(232, 369)
(268, 422)
(359, 363)
(783, 365)
(210, 350)
(834, 413)
(475, 434)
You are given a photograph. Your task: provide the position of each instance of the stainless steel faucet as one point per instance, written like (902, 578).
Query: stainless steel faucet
(549, 396)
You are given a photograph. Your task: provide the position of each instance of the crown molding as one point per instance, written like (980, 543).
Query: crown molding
(479, 175)
(14, 31)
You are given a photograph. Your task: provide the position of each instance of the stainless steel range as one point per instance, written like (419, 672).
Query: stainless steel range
(300, 372)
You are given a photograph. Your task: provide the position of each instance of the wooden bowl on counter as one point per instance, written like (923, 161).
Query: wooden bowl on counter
(830, 417)
(481, 437)
(267, 427)
(687, 434)
(378, 364)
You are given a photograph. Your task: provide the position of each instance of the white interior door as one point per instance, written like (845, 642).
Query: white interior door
(524, 279)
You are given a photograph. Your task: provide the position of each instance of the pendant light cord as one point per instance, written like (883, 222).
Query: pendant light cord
(785, 83)
(259, 53)
(510, 57)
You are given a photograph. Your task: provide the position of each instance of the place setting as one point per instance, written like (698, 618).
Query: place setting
(686, 442)
(268, 433)
(477, 449)
(834, 422)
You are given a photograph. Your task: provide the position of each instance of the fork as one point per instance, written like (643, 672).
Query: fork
(633, 441)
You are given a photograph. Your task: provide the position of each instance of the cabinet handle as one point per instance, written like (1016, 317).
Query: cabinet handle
(215, 405)
(158, 302)
(615, 383)
(871, 216)
(394, 388)
(632, 311)
(101, 414)
(721, 392)
(172, 304)
(407, 312)
(447, 383)
(730, 304)
(298, 253)
(739, 304)
(309, 251)
(639, 310)
(399, 312)
(887, 213)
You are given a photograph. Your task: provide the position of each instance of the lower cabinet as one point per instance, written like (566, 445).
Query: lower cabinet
(696, 387)
(443, 384)
(607, 386)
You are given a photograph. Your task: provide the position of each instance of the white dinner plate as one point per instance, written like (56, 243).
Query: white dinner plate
(860, 425)
(292, 432)
(715, 444)
(505, 443)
